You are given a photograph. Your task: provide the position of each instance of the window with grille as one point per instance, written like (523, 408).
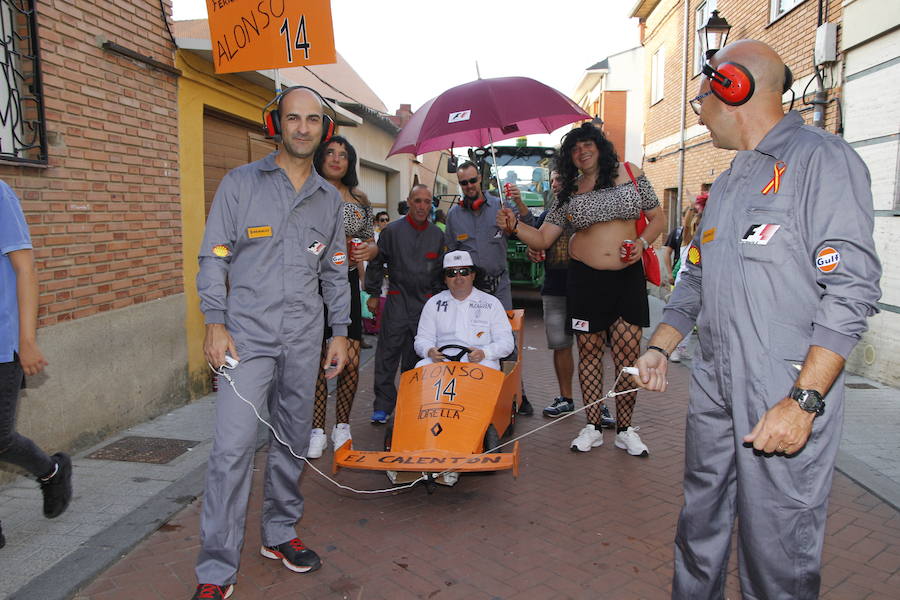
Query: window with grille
(23, 135)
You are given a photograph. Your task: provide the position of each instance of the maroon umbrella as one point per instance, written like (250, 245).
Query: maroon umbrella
(485, 111)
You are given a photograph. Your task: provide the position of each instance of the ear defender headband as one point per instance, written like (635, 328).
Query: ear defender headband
(733, 83)
(272, 118)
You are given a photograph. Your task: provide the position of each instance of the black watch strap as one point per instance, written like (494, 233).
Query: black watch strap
(809, 400)
(660, 350)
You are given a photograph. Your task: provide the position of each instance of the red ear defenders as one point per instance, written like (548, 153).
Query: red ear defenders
(272, 118)
(733, 83)
(473, 204)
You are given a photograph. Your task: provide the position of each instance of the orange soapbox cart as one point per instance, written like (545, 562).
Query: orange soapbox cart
(450, 416)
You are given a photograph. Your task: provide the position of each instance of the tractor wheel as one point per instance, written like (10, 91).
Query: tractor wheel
(491, 439)
(388, 436)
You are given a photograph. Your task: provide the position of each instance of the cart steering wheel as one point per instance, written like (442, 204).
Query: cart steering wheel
(453, 357)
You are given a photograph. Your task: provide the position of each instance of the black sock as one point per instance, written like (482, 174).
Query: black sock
(620, 429)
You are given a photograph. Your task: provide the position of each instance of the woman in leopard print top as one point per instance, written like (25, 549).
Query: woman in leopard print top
(335, 160)
(601, 199)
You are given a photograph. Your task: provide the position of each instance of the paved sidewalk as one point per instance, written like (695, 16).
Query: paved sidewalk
(595, 525)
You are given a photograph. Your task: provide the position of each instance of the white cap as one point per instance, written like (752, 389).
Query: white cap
(458, 258)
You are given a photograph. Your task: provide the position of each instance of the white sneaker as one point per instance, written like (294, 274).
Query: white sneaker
(629, 440)
(589, 437)
(676, 355)
(340, 434)
(317, 443)
(451, 478)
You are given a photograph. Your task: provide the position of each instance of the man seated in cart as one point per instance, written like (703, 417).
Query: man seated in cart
(472, 321)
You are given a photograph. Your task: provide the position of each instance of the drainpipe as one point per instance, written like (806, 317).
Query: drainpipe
(675, 207)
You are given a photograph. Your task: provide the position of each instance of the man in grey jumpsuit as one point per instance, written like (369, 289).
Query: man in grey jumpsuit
(472, 226)
(780, 279)
(410, 249)
(273, 235)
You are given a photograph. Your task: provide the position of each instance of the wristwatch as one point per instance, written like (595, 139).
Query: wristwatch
(809, 400)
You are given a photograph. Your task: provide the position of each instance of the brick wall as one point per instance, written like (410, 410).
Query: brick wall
(792, 36)
(105, 215)
(614, 113)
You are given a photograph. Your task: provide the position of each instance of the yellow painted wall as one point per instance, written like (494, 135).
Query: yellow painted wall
(199, 87)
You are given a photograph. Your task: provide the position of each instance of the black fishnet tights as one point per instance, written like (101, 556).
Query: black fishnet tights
(625, 341)
(347, 383)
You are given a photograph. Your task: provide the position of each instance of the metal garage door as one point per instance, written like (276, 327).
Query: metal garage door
(228, 142)
(374, 184)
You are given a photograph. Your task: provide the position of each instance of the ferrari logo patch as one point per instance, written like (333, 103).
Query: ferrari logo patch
(221, 250)
(827, 259)
(774, 185)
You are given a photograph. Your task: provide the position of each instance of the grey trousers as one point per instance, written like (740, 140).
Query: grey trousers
(780, 502)
(395, 347)
(288, 388)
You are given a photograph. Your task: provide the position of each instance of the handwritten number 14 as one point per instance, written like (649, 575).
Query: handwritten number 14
(299, 43)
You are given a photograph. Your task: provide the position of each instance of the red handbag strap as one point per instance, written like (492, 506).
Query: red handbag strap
(630, 174)
(642, 218)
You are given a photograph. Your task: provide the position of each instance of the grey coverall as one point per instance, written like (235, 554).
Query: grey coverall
(477, 233)
(761, 296)
(264, 253)
(413, 257)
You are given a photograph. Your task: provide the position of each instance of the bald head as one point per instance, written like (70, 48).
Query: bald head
(763, 62)
(308, 94)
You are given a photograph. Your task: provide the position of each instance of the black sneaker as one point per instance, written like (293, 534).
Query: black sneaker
(58, 489)
(2, 539)
(209, 591)
(526, 409)
(294, 555)
(606, 419)
(560, 406)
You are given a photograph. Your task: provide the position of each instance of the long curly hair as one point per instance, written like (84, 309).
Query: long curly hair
(350, 179)
(568, 172)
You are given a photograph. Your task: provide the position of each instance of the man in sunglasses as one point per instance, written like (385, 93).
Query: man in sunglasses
(465, 316)
(780, 278)
(471, 226)
(409, 252)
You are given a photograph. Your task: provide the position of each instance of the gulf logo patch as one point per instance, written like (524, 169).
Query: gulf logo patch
(827, 259)
(338, 258)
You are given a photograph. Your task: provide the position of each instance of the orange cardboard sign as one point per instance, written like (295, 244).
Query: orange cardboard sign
(252, 35)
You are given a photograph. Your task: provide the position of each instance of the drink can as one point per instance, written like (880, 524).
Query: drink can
(355, 243)
(628, 245)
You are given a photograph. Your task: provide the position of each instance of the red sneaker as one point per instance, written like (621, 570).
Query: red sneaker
(294, 555)
(209, 591)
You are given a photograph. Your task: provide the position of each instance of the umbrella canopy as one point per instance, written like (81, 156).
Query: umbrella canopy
(485, 111)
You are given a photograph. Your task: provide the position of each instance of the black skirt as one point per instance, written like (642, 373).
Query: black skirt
(596, 298)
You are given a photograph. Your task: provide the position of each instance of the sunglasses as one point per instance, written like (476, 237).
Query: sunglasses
(472, 181)
(464, 271)
(698, 101)
(383, 220)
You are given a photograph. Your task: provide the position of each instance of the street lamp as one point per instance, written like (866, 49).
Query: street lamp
(714, 34)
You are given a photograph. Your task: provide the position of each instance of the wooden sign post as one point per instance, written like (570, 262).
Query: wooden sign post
(252, 35)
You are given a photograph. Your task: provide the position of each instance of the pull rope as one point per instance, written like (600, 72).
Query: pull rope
(223, 371)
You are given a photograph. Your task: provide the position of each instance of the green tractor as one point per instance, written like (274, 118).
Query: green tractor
(528, 168)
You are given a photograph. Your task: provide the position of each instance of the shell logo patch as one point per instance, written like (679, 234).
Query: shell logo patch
(827, 259)
(221, 250)
(338, 258)
(694, 255)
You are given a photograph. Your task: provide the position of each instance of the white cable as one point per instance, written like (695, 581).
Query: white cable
(610, 394)
(230, 380)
